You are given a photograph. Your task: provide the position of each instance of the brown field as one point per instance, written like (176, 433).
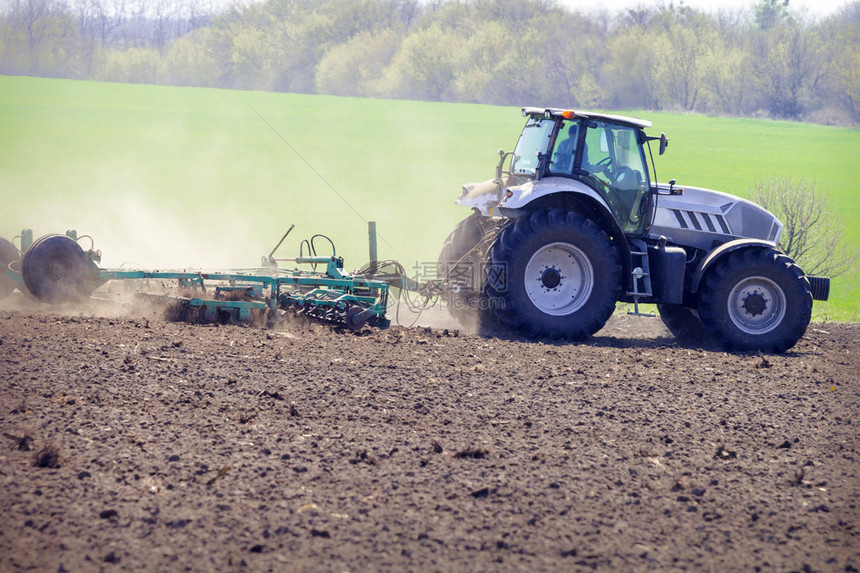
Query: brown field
(132, 443)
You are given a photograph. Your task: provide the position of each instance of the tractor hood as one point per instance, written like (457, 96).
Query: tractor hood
(698, 217)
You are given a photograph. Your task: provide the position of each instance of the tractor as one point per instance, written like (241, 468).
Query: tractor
(574, 222)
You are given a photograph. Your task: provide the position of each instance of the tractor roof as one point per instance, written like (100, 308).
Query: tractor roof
(570, 114)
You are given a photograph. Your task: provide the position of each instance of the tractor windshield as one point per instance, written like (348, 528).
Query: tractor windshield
(614, 163)
(534, 140)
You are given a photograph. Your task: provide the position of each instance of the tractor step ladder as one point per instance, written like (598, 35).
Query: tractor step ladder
(641, 271)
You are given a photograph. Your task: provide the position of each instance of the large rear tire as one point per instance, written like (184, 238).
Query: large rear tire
(461, 266)
(683, 323)
(553, 274)
(55, 269)
(8, 254)
(457, 264)
(755, 299)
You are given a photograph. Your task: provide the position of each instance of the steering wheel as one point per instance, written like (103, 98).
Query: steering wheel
(605, 164)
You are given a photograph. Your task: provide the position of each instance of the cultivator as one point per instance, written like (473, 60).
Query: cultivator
(56, 269)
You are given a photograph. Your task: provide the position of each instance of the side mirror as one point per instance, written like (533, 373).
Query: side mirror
(664, 143)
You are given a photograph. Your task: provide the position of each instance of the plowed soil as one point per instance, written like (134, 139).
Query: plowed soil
(134, 443)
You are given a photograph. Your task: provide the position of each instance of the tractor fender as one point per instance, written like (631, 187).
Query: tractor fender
(719, 252)
(569, 195)
(517, 197)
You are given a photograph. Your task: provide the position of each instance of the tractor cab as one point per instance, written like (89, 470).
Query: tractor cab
(566, 151)
(603, 152)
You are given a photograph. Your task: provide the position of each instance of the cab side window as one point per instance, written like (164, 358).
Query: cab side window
(597, 150)
(565, 148)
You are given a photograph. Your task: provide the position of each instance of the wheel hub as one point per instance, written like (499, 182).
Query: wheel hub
(58, 268)
(550, 278)
(559, 279)
(757, 305)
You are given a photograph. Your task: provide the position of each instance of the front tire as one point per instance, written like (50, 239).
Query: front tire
(756, 299)
(554, 274)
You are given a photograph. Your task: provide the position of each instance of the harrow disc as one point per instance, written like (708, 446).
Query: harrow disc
(55, 269)
(356, 317)
(8, 254)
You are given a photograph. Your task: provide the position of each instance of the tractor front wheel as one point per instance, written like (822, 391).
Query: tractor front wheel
(756, 299)
(555, 274)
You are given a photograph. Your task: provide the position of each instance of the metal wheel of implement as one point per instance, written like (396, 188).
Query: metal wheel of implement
(55, 269)
(356, 317)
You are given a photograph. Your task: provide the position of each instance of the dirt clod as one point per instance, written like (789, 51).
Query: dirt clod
(22, 443)
(47, 457)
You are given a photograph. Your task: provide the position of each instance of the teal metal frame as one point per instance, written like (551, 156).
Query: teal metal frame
(333, 296)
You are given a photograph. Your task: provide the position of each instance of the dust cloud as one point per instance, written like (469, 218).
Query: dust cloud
(132, 233)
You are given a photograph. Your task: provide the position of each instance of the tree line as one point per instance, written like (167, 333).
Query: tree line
(765, 61)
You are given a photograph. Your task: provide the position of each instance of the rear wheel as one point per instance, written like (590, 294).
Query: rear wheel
(555, 274)
(55, 269)
(682, 322)
(8, 254)
(456, 259)
(756, 299)
(461, 264)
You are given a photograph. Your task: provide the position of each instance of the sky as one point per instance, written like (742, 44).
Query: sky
(816, 8)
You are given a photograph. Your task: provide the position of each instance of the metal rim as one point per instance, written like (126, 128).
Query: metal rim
(559, 279)
(756, 305)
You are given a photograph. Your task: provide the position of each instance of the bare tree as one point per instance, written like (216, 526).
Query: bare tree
(812, 232)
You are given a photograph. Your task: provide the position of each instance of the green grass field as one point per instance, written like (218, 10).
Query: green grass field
(173, 177)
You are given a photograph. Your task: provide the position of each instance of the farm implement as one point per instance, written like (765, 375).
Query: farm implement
(56, 269)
